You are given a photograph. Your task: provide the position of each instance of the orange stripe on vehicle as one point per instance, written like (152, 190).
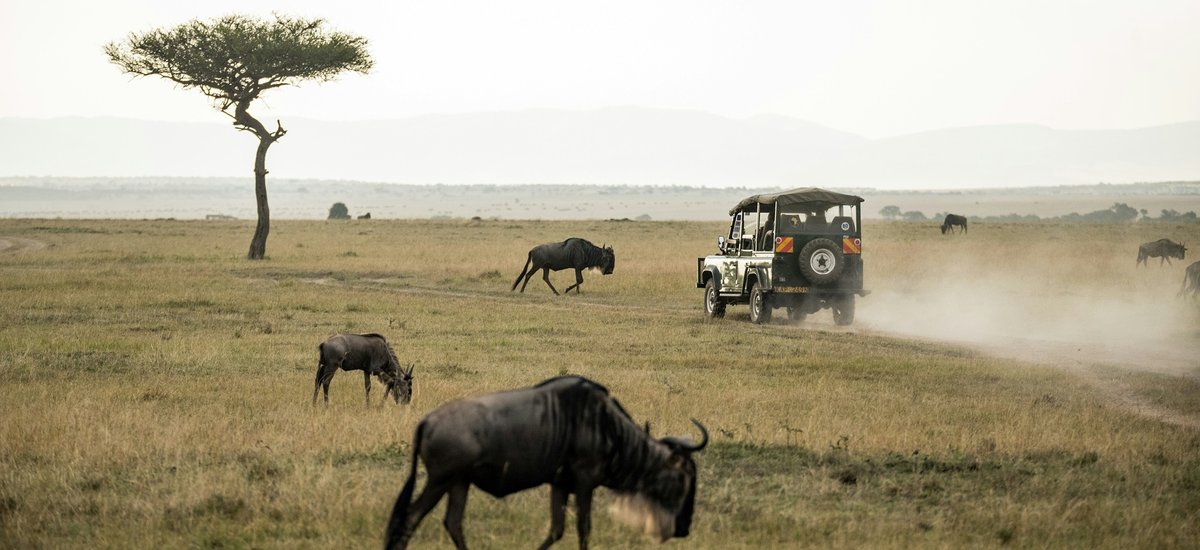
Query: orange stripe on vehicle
(851, 246)
(783, 244)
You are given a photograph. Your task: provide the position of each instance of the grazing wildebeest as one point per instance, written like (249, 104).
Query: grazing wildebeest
(370, 353)
(366, 216)
(953, 220)
(574, 253)
(567, 432)
(1191, 281)
(1163, 249)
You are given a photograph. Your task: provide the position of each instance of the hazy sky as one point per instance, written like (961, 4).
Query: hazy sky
(876, 68)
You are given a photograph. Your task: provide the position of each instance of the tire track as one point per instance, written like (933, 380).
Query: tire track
(1070, 356)
(9, 245)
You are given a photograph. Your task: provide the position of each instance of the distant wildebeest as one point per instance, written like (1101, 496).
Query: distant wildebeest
(366, 216)
(953, 220)
(573, 253)
(1191, 281)
(567, 432)
(1163, 249)
(370, 353)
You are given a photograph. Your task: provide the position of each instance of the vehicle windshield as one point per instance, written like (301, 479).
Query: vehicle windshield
(818, 218)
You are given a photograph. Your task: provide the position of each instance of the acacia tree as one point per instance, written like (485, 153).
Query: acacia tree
(233, 60)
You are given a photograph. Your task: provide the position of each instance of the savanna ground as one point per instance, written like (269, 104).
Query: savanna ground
(157, 385)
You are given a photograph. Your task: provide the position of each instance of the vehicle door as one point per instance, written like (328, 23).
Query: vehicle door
(730, 265)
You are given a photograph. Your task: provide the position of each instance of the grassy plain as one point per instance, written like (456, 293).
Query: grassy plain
(156, 388)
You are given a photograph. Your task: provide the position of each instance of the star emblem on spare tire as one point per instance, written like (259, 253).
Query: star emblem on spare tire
(822, 261)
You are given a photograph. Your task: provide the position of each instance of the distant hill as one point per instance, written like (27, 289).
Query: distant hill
(199, 198)
(613, 146)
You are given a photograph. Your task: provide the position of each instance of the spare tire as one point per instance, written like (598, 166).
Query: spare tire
(821, 261)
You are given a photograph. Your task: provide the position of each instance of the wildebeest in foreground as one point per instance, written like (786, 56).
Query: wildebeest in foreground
(953, 220)
(1191, 281)
(1163, 249)
(567, 432)
(574, 253)
(370, 353)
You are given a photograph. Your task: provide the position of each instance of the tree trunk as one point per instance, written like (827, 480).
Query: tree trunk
(258, 244)
(243, 120)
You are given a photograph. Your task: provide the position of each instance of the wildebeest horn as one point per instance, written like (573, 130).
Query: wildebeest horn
(688, 446)
(410, 369)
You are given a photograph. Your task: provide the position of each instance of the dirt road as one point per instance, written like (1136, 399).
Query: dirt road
(17, 244)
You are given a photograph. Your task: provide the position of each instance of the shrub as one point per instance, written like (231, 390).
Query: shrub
(339, 211)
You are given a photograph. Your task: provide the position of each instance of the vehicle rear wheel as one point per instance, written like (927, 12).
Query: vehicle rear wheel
(714, 308)
(821, 261)
(843, 310)
(760, 305)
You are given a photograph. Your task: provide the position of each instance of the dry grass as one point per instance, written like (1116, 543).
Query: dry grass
(156, 386)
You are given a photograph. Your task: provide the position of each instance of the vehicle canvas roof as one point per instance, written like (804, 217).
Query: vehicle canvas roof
(797, 196)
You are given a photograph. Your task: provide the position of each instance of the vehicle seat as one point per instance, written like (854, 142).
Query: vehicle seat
(768, 240)
(836, 224)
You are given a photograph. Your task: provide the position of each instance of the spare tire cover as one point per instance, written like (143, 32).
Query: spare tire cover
(821, 261)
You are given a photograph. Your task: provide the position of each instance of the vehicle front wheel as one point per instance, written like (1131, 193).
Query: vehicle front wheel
(760, 305)
(714, 308)
(843, 310)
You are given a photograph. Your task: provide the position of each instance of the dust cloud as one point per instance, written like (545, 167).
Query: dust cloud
(1140, 326)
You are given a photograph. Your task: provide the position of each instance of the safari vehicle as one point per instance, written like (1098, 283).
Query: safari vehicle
(799, 249)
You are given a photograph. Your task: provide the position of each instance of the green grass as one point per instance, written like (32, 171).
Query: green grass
(157, 390)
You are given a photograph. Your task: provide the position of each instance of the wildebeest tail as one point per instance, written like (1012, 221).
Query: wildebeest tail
(320, 360)
(396, 524)
(528, 260)
(320, 370)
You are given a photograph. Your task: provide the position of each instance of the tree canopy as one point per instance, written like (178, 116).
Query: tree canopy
(235, 58)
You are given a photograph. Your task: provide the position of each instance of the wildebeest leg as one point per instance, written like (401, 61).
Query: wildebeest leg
(546, 277)
(455, 506)
(317, 382)
(578, 281)
(583, 514)
(325, 381)
(558, 516)
(529, 276)
(429, 498)
(367, 384)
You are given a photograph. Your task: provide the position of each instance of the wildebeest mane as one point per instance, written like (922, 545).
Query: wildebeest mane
(593, 255)
(394, 368)
(628, 443)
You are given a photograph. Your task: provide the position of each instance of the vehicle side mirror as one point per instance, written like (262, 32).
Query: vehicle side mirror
(721, 243)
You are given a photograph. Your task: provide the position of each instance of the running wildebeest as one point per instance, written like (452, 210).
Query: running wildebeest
(953, 220)
(370, 353)
(1163, 249)
(567, 432)
(573, 253)
(1191, 281)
